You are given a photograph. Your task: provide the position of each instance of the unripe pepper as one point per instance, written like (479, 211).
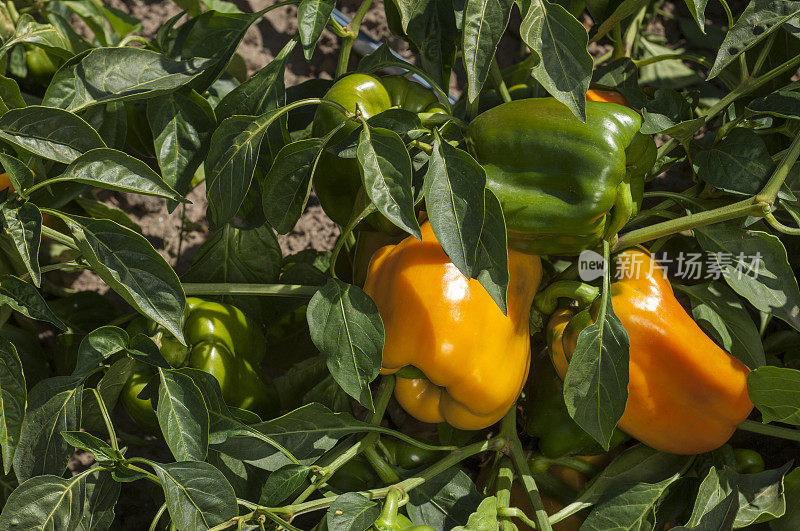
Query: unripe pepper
(338, 180)
(685, 394)
(223, 342)
(475, 359)
(564, 185)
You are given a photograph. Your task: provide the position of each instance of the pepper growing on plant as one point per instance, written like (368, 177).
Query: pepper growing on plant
(451, 329)
(570, 184)
(685, 394)
(338, 180)
(223, 342)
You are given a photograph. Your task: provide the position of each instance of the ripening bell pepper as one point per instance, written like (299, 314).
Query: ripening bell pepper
(564, 185)
(338, 180)
(548, 419)
(223, 342)
(685, 394)
(475, 359)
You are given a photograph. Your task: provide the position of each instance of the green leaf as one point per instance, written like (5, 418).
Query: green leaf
(628, 509)
(720, 312)
(444, 501)
(282, 483)
(102, 451)
(239, 255)
(775, 391)
(783, 104)
(100, 497)
(760, 495)
(97, 346)
(20, 175)
(637, 465)
(51, 133)
(346, 327)
(755, 265)
(54, 406)
(758, 21)
(698, 10)
(12, 402)
(182, 123)
(564, 68)
(197, 494)
(739, 163)
(352, 512)
(791, 518)
(104, 75)
(485, 22)
(24, 225)
(312, 16)
(288, 184)
(263, 92)
(99, 210)
(10, 95)
(115, 170)
(27, 300)
(230, 164)
(386, 172)
(596, 385)
(454, 196)
(182, 416)
(491, 261)
(130, 266)
(308, 431)
(44, 502)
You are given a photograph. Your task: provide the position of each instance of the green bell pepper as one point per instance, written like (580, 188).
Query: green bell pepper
(223, 342)
(549, 421)
(564, 185)
(337, 181)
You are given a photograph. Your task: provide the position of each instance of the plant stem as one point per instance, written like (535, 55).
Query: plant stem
(770, 430)
(406, 485)
(269, 290)
(351, 34)
(746, 207)
(59, 237)
(508, 430)
(497, 77)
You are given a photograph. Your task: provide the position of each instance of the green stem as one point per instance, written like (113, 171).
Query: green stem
(747, 207)
(351, 31)
(270, 290)
(59, 237)
(620, 50)
(508, 429)
(106, 419)
(547, 299)
(773, 186)
(503, 484)
(499, 82)
(770, 430)
(406, 485)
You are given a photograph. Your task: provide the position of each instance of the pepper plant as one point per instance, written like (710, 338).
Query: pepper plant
(283, 393)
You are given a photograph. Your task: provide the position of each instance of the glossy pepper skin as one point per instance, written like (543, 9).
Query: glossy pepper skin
(223, 342)
(548, 419)
(563, 184)
(685, 394)
(475, 358)
(338, 180)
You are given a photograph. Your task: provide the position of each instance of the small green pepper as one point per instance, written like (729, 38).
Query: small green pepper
(223, 342)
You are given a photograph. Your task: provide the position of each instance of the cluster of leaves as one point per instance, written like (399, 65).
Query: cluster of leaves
(158, 116)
